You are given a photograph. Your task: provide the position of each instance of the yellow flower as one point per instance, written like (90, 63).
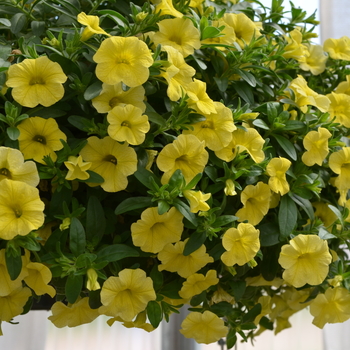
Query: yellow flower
(12, 304)
(245, 29)
(265, 302)
(221, 295)
(166, 7)
(294, 48)
(127, 295)
(344, 86)
(72, 315)
(203, 327)
(256, 203)
(153, 231)
(276, 169)
(186, 153)
(216, 129)
(316, 145)
(112, 160)
(36, 81)
(339, 162)
(197, 283)
(198, 97)
(123, 59)
(339, 108)
(139, 322)
(338, 49)
(92, 24)
(304, 96)
(13, 167)
(324, 213)
(40, 137)
(305, 259)
(197, 200)
(92, 283)
(331, 307)
(178, 74)
(128, 124)
(77, 168)
(230, 188)
(314, 61)
(114, 95)
(21, 209)
(259, 280)
(241, 244)
(248, 140)
(179, 33)
(173, 260)
(227, 36)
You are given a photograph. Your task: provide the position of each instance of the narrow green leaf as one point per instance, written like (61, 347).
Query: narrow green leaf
(93, 90)
(95, 220)
(260, 124)
(286, 145)
(224, 220)
(248, 77)
(13, 263)
(116, 252)
(77, 241)
(252, 313)
(336, 211)
(287, 216)
(244, 91)
(73, 287)
(143, 175)
(194, 242)
(154, 313)
(305, 204)
(94, 177)
(132, 204)
(231, 339)
(184, 209)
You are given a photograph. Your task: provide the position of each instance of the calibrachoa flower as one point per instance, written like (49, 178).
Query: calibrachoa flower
(92, 283)
(36, 81)
(114, 95)
(153, 231)
(13, 167)
(166, 7)
(197, 200)
(216, 129)
(324, 213)
(316, 145)
(92, 24)
(338, 49)
(40, 137)
(204, 327)
(186, 153)
(173, 260)
(241, 244)
(197, 283)
(276, 169)
(127, 295)
(331, 307)
(314, 61)
(339, 162)
(305, 259)
(198, 97)
(123, 59)
(344, 86)
(77, 168)
(112, 160)
(256, 203)
(179, 33)
(338, 109)
(21, 209)
(128, 124)
(73, 315)
(294, 48)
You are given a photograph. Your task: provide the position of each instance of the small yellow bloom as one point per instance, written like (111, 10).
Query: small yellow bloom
(12, 304)
(241, 244)
(316, 145)
(197, 283)
(21, 209)
(173, 260)
(186, 153)
(198, 97)
(128, 124)
(114, 95)
(40, 137)
(314, 61)
(77, 168)
(73, 315)
(331, 307)
(65, 224)
(92, 24)
(153, 231)
(338, 49)
(127, 295)
(227, 35)
(324, 213)
(36, 81)
(339, 108)
(276, 169)
(203, 327)
(230, 188)
(179, 33)
(344, 86)
(294, 48)
(123, 59)
(13, 167)
(197, 200)
(339, 162)
(305, 259)
(166, 7)
(92, 283)
(265, 302)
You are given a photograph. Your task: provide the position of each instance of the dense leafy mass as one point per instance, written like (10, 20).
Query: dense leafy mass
(173, 152)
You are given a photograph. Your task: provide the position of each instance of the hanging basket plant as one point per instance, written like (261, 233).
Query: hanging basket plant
(161, 154)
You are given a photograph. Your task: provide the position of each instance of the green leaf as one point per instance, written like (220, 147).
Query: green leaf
(5, 22)
(248, 77)
(231, 339)
(224, 220)
(194, 242)
(287, 216)
(95, 220)
(156, 118)
(222, 83)
(77, 239)
(18, 21)
(184, 209)
(260, 124)
(13, 263)
(336, 211)
(133, 203)
(244, 91)
(286, 145)
(305, 204)
(157, 277)
(116, 252)
(154, 313)
(143, 175)
(115, 16)
(12, 132)
(38, 27)
(73, 287)
(94, 178)
(163, 207)
(93, 90)
(294, 125)
(269, 234)
(238, 289)
(252, 313)
(210, 32)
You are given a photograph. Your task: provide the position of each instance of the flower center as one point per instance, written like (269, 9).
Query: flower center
(123, 61)
(125, 123)
(207, 125)
(183, 158)
(37, 80)
(40, 139)
(18, 212)
(111, 159)
(114, 101)
(176, 39)
(5, 172)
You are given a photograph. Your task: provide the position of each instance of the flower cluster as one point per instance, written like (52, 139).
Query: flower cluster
(181, 154)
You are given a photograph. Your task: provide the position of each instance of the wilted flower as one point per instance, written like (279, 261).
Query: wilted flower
(197, 200)
(276, 169)
(92, 24)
